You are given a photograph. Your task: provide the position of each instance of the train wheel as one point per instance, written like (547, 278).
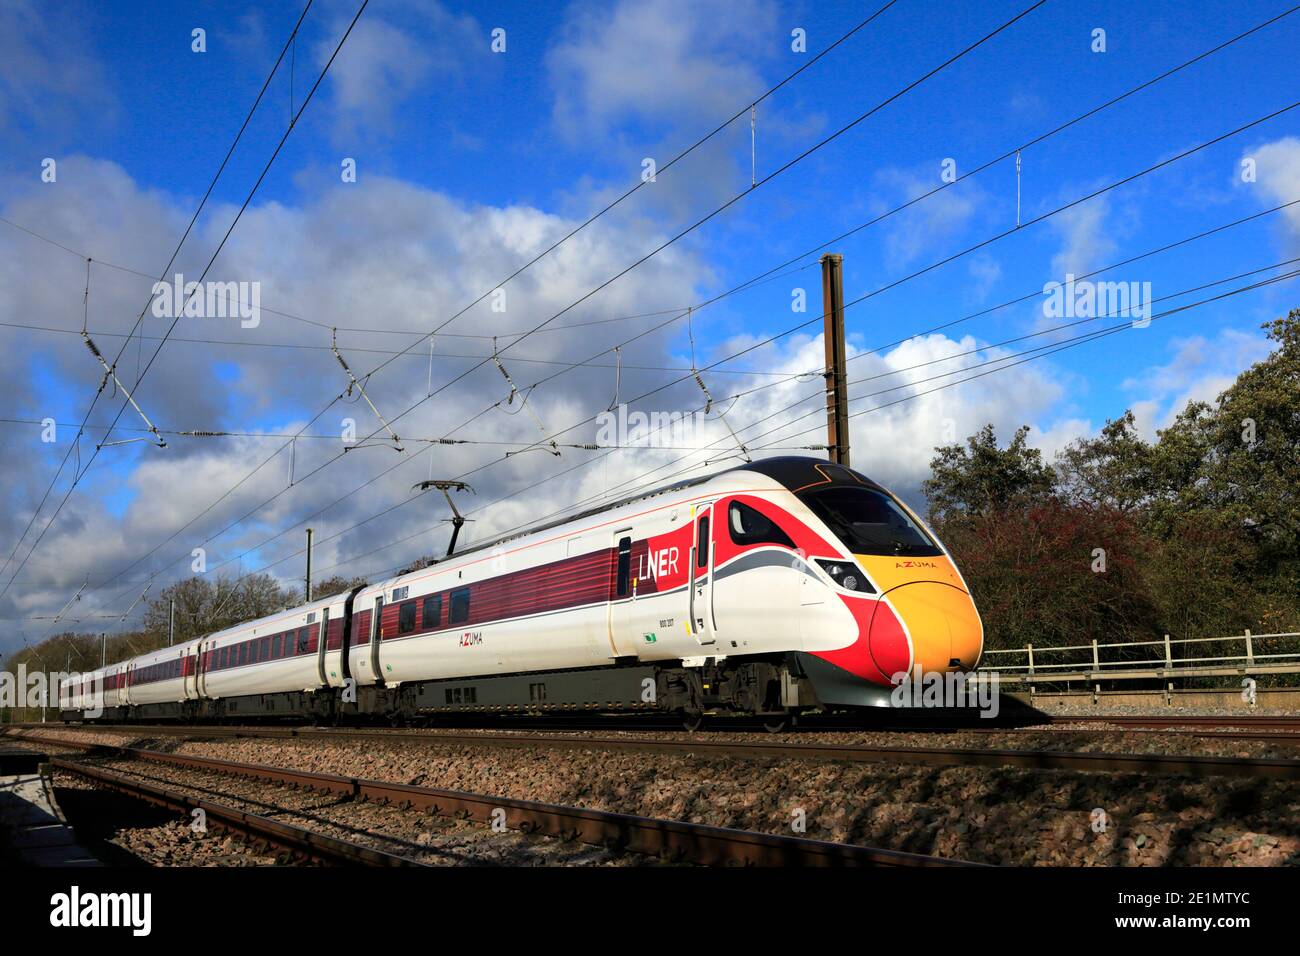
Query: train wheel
(778, 725)
(692, 722)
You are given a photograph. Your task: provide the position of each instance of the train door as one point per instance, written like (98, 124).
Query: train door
(338, 668)
(376, 636)
(622, 597)
(190, 670)
(321, 641)
(201, 670)
(700, 590)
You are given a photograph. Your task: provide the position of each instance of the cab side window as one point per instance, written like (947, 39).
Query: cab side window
(749, 526)
(459, 610)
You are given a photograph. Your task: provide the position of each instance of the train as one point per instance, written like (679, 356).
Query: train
(774, 588)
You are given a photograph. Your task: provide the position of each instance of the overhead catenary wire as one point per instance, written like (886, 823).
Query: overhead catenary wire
(1021, 358)
(979, 245)
(760, 278)
(1034, 294)
(202, 204)
(789, 164)
(1015, 151)
(595, 216)
(926, 269)
(724, 206)
(1002, 361)
(265, 170)
(1080, 340)
(211, 261)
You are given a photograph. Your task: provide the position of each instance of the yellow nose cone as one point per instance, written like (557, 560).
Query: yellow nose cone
(944, 625)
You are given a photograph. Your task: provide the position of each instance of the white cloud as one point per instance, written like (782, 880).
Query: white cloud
(1277, 174)
(895, 443)
(922, 228)
(49, 86)
(388, 254)
(1199, 371)
(1087, 233)
(668, 62)
(386, 61)
(985, 271)
(377, 254)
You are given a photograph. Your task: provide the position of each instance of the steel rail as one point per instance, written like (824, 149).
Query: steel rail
(286, 835)
(1256, 721)
(1173, 764)
(1271, 736)
(674, 839)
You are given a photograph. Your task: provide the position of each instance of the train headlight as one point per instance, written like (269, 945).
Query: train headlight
(847, 575)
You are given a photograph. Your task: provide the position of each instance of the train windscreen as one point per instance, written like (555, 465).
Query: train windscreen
(870, 522)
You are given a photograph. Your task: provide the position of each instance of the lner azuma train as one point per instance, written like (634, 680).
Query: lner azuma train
(781, 586)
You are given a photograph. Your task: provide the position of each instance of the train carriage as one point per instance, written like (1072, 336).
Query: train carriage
(774, 587)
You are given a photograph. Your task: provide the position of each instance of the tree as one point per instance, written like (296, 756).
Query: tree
(1113, 470)
(983, 479)
(1053, 573)
(336, 585)
(204, 605)
(1200, 529)
(1240, 457)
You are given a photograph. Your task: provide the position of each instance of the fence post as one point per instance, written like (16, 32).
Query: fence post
(1169, 657)
(1250, 650)
(1029, 649)
(1096, 673)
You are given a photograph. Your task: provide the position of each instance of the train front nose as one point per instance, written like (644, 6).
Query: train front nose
(941, 620)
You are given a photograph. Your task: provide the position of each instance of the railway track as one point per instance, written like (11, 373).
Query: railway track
(1016, 722)
(670, 839)
(1253, 721)
(1175, 764)
(298, 840)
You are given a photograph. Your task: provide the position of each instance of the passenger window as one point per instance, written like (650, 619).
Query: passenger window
(432, 611)
(459, 609)
(406, 618)
(624, 582)
(702, 544)
(749, 526)
(304, 639)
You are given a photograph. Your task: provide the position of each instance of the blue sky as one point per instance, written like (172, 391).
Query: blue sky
(470, 161)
